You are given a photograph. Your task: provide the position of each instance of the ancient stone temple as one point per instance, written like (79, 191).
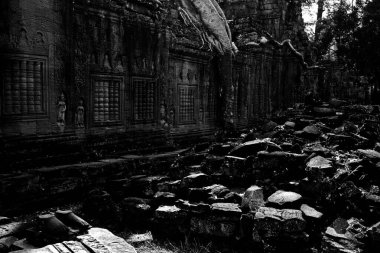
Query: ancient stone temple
(121, 73)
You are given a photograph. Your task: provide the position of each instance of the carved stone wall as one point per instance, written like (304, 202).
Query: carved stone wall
(275, 77)
(34, 37)
(97, 67)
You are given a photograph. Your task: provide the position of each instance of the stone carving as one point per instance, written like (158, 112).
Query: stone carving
(39, 39)
(61, 112)
(79, 114)
(23, 40)
(172, 115)
(106, 63)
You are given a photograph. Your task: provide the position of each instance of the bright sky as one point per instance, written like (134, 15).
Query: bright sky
(309, 14)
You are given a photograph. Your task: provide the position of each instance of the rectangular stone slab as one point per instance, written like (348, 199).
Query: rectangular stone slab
(113, 243)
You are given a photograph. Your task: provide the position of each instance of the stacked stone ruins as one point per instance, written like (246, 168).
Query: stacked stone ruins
(113, 73)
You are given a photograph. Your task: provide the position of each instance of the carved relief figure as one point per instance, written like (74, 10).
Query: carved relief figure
(61, 111)
(172, 115)
(23, 40)
(79, 114)
(39, 39)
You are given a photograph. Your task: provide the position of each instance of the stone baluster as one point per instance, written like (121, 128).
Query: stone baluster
(37, 87)
(23, 88)
(30, 87)
(16, 87)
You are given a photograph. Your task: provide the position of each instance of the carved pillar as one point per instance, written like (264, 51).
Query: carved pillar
(227, 99)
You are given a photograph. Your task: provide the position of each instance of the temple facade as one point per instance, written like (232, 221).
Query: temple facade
(114, 72)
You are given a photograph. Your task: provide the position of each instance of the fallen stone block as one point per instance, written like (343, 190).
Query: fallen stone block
(345, 236)
(213, 226)
(369, 154)
(139, 239)
(310, 212)
(290, 125)
(99, 238)
(234, 166)
(279, 160)
(136, 211)
(253, 199)
(144, 186)
(169, 222)
(311, 132)
(169, 213)
(374, 235)
(12, 229)
(253, 147)
(271, 223)
(220, 149)
(23, 244)
(316, 148)
(226, 210)
(169, 186)
(319, 167)
(4, 220)
(194, 208)
(164, 198)
(343, 141)
(284, 199)
(6, 243)
(195, 180)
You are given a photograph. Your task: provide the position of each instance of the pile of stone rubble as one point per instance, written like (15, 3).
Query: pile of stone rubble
(299, 183)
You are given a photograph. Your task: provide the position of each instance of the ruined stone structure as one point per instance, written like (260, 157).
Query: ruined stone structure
(79, 71)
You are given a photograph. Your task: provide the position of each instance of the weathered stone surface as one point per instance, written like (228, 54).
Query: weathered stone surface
(138, 239)
(269, 126)
(310, 212)
(374, 235)
(212, 226)
(284, 198)
(169, 186)
(253, 147)
(7, 242)
(136, 210)
(4, 220)
(312, 131)
(220, 149)
(197, 208)
(370, 154)
(195, 180)
(145, 186)
(344, 141)
(271, 222)
(290, 124)
(11, 229)
(218, 190)
(318, 167)
(315, 148)
(47, 249)
(76, 247)
(164, 198)
(253, 199)
(23, 244)
(344, 236)
(279, 160)
(226, 209)
(234, 166)
(102, 240)
(169, 213)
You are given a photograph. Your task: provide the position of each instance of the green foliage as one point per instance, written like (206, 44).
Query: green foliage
(366, 50)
